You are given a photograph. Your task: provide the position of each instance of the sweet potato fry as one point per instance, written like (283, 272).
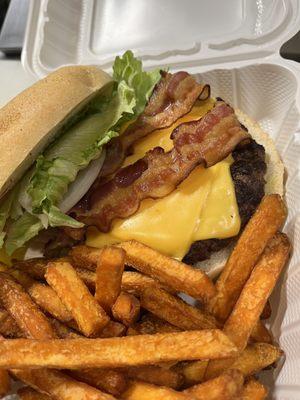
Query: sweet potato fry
(113, 329)
(253, 359)
(126, 309)
(109, 273)
(267, 220)
(43, 295)
(256, 357)
(26, 393)
(108, 380)
(8, 326)
(26, 313)
(175, 274)
(253, 390)
(226, 387)
(257, 291)
(59, 386)
(35, 267)
(115, 352)
(150, 324)
(63, 331)
(156, 375)
(261, 334)
(193, 372)
(4, 382)
(85, 256)
(253, 298)
(175, 311)
(138, 390)
(88, 314)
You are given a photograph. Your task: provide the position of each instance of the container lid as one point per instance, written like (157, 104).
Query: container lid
(161, 32)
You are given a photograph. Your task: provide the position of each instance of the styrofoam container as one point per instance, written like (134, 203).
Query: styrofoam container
(234, 46)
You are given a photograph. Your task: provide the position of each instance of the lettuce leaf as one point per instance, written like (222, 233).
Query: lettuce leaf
(41, 190)
(22, 230)
(129, 69)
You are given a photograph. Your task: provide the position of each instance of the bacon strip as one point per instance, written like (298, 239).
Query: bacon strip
(173, 97)
(206, 141)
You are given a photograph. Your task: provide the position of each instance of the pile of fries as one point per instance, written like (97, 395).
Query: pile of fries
(109, 323)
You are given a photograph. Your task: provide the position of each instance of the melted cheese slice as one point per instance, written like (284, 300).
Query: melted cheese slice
(202, 207)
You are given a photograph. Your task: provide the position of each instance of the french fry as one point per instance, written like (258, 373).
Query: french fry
(4, 382)
(256, 357)
(35, 267)
(253, 359)
(126, 309)
(115, 352)
(85, 256)
(109, 273)
(26, 313)
(63, 331)
(156, 375)
(257, 291)
(193, 372)
(47, 299)
(267, 220)
(226, 387)
(59, 386)
(150, 324)
(175, 274)
(8, 326)
(261, 334)
(253, 298)
(108, 380)
(87, 276)
(138, 390)
(175, 311)
(135, 283)
(43, 295)
(26, 393)
(253, 390)
(113, 329)
(267, 311)
(88, 314)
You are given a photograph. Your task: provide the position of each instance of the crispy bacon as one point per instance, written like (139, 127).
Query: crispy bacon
(206, 141)
(173, 97)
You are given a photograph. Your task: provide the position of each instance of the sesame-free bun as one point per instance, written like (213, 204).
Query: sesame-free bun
(30, 121)
(274, 184)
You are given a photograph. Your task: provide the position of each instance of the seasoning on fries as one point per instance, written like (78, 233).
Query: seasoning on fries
(253, 390)
(115, 352)
(26, 313)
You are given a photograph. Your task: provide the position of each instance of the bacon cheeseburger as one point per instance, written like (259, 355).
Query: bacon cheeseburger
(145, 156)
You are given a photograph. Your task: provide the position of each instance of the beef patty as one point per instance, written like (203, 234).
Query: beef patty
(247, 171)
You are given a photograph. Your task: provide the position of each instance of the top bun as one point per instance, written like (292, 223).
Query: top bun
(30, 121)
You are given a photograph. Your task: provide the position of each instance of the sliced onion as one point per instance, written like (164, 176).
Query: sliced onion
(82, 183)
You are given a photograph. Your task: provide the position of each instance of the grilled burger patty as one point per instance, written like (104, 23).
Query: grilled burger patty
(247, 171)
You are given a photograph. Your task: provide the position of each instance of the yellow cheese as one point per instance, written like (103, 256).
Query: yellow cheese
(202, 207)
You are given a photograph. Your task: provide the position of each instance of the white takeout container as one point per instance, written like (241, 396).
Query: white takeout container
(234, 46)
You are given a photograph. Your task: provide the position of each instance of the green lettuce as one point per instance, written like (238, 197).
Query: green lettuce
(36, 199)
